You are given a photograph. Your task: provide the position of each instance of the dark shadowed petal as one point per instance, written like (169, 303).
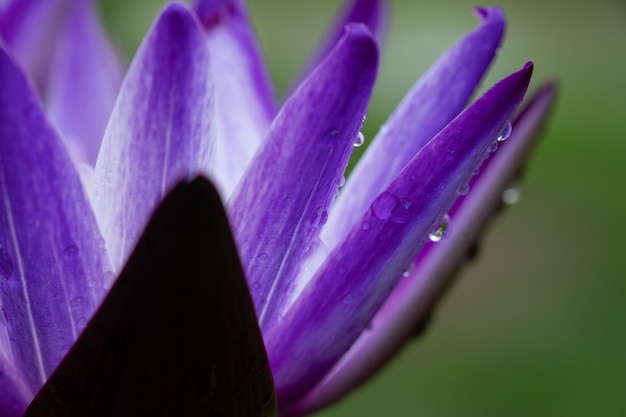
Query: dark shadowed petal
(244, 99)
(160, 129)
(415, 295)
(284, 195)
(84, 81)
(177, 334)
(30, 29)
(430, 105)
(372, 13)
(359, 274)
(51, 259)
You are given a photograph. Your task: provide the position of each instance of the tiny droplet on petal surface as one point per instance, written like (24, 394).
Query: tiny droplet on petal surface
(70, 252)
(360, 140)
(464, 189)
(407, 271)
(506, 132)
(441, 231)
(6, 263)
(108, 279)
(319, 217)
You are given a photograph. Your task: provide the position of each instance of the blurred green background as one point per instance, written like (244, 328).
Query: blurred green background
(537, 326)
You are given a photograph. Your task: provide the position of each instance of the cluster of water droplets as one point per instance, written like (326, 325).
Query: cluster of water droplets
(504, 134)
(389, 206)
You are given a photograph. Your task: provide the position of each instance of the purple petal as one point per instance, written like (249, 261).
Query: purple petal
(177, 334)
(359, 274)
(372, 13)
(412, 299)
(14, 395)
(244, 97)
(430, 105)
(29, 28)
(84, 81)
(160, 129)
(282, 200)
(51, 262)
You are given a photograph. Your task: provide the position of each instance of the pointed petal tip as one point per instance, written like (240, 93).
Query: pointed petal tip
(360, 31)
(359, 37)
(520, 78)
(174, 16)
(486, 13)
(212, 12)
(492, 17)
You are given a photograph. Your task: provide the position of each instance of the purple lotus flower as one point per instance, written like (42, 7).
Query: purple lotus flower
(103, 255)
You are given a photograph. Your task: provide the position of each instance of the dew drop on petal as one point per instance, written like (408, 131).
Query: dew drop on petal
(108, 279)
(360, 140)
(319, 218)
(81, 323)
(407, 271)
(262, 258)
(512, 195)
(493, 147)
(6, 263)
(388, 206)
(506, 133)
(76, 302)
(440, 232)
(70, 252)
(463, 189)
(383, 205)
(366, 225)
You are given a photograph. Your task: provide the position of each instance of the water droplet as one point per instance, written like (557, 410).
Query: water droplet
(360, 140)
(463, 189)
(81, 323)
(449, 154)
(342, 181)
(390, 206)
(366, 225)
(333, 132)
(347, 298)
(262, 258)
(407, 271)
(6, 263)
(108, 279)
(70, 252)
(512, 195)
(76, 302)
(441, 231)
(319, 218)
(506, 133)
(493, 147)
